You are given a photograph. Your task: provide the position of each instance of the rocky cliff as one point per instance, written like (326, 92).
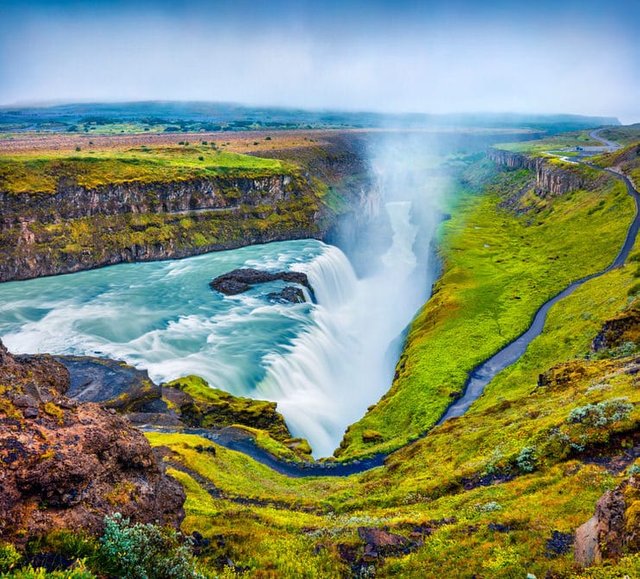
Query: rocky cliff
(553, 177)
(77, 228)
(71, 201)
(65, 465)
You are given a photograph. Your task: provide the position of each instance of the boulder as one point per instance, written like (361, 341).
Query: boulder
(241, 280)
(614, 528)
(65, 464)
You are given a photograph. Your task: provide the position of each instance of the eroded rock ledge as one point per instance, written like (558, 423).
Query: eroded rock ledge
(65, 465)
(552, 177)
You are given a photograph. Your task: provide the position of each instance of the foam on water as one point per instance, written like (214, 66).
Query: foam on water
(342, 363)
(162, 316)
(323, 363)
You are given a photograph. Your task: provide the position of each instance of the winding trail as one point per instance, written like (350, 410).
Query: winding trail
(478, 379)
(482, 374)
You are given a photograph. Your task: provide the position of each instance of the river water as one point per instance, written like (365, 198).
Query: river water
(323, 363)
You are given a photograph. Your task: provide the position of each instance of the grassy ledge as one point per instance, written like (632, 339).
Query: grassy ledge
(41, 172)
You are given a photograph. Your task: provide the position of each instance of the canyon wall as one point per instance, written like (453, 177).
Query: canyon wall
(553, 177)
(75, 228)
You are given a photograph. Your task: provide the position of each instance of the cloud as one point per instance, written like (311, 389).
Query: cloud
(422, 57)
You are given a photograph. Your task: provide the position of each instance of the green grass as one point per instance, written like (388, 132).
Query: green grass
(237, 475)
(542, 147)
(42, 172)
(423, 482)
(499, 267)
(214, 408)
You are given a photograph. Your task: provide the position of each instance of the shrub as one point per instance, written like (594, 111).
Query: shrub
(601, 414)
(527, 460)
(489, 507)
(144, 551)
(9, 557)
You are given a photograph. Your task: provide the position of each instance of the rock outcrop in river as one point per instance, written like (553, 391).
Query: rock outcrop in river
(241, 280)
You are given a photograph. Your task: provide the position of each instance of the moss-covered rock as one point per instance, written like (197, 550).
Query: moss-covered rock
(204, 406)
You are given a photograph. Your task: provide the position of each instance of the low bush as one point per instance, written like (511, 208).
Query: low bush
(601, 414)
(144, 551)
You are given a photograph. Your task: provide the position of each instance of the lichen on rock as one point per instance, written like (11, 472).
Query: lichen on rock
(65, 465)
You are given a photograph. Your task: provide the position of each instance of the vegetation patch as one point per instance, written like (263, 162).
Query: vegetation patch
(499, 266)
(44, 172)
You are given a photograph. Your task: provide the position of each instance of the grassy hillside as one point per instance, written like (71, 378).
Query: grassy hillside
(40, 172)
(500, 265)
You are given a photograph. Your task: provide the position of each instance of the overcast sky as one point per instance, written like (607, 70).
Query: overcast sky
(404, 56)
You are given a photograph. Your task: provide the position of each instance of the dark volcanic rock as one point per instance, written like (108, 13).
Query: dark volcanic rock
(289, 294)
(622, 329)
(65, 465)
(240, 280)
(111, 383)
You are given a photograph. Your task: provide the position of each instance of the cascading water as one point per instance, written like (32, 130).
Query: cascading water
(341, 363)
(324, 364)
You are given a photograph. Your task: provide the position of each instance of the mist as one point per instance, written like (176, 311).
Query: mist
(346, 360)
(431, 57)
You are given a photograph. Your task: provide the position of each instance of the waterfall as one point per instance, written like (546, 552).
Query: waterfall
(341, 364)
(332, 277)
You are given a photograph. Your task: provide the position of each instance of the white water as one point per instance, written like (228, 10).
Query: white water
(344, 362)
(323, 364)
